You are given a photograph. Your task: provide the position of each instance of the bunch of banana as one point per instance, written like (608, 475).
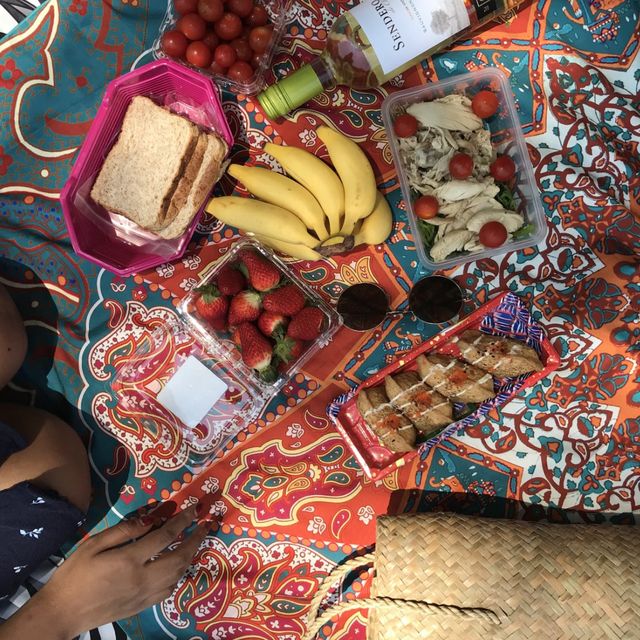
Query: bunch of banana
(316, 211)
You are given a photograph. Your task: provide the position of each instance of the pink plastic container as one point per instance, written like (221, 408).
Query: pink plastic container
(109, 239)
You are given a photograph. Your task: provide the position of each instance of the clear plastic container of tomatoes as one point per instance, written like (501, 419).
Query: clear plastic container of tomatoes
(238, 42)
(506, 139)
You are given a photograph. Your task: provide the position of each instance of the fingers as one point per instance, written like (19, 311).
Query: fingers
(119, 534)
(155, 541)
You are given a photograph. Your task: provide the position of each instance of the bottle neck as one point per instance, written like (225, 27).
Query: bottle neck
(297, 88)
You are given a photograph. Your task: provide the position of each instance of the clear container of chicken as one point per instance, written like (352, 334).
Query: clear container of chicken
(464, 208)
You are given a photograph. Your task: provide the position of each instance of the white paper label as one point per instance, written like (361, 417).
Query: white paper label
(401, 30)
(191, 392)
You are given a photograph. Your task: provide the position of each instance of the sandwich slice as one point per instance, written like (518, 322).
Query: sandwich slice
(502, 357)
(198, 187)
(142, 170)
(426, 408)
(395, 431)
(454, 379)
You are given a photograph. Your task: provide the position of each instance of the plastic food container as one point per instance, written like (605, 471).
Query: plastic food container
(109, 239)
(220, 342)
(277, 11)
(505, 315)
(506, 138)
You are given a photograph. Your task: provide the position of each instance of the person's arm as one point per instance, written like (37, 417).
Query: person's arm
(110, 576)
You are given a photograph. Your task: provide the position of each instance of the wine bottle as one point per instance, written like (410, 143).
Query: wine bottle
(378, 39)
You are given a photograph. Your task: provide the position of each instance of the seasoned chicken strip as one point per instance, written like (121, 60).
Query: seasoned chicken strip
(394, 430)
(427, 409)
(455, 379)
(500, 356)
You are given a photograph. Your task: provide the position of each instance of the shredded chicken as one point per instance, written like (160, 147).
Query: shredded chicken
(446, 126)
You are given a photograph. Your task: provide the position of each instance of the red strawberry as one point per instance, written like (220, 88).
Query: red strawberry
(235, 336)
(307, 324)
(271, 323)
(287, 300)
(244, 307)
(288, 349)
(212, 306)
(230, 281)
(262, 274)
(256, 350)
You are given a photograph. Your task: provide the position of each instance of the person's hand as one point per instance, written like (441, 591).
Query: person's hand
(112, 575)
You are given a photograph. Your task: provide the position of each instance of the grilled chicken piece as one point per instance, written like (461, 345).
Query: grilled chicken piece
(455, 379)
(427, 409)
(394, 430)
(500, 356)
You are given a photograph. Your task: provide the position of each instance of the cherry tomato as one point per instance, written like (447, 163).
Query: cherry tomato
(210, 10)
(461, 166)
(503, 169)
(256, 60)
(211, 40)
(192, 25)
(258, 16)
(242, 8)
(174, 43)
(260, 37)
(240, 71)
(243, 50)
(426, 207)
(229, 26)
(225, 55)
(198, 54)
(493, 234)
(484, 104)
(216, 68)
(185, 6)
(405, 125)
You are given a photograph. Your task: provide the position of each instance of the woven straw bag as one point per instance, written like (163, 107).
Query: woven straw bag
(449, 577)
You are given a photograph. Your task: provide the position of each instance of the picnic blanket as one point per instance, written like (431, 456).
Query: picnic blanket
(291, 497)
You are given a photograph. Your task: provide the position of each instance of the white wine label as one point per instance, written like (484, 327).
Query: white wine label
(401, 30)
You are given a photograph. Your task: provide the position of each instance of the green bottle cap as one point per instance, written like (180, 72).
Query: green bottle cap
(290, 92)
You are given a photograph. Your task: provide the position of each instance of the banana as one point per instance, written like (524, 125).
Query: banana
(314, 175)
(261, 218)
(376, 227)
(299, 251)
(356, 174)
(332, 240)
(274, 188)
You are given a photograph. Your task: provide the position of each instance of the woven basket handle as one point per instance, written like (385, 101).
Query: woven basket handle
(315, 622)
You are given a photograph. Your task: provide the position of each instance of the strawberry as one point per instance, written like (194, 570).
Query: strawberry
(307, 324)
(244, 307)
(287, 300)
(271, 323)
(262, 274)
(256, 350)
(212, 306)
(288, 349)
(230, 281)
(235, 336)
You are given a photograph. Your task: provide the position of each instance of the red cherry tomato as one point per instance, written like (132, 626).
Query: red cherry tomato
(225, 55)
(241, 8)
(198, 54)
(426, 207)
(174, 43)
(461, 166)
(493, 234)
(229, 26)
(258, 16)
(210, 10)
(256, 60)
(217, 69)
(211, 40)
(405, 125)
(240, 71)
(185, 6)
(192, 25)
(503, 169)
(243, 50)
(260, 37)
(484, 104)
